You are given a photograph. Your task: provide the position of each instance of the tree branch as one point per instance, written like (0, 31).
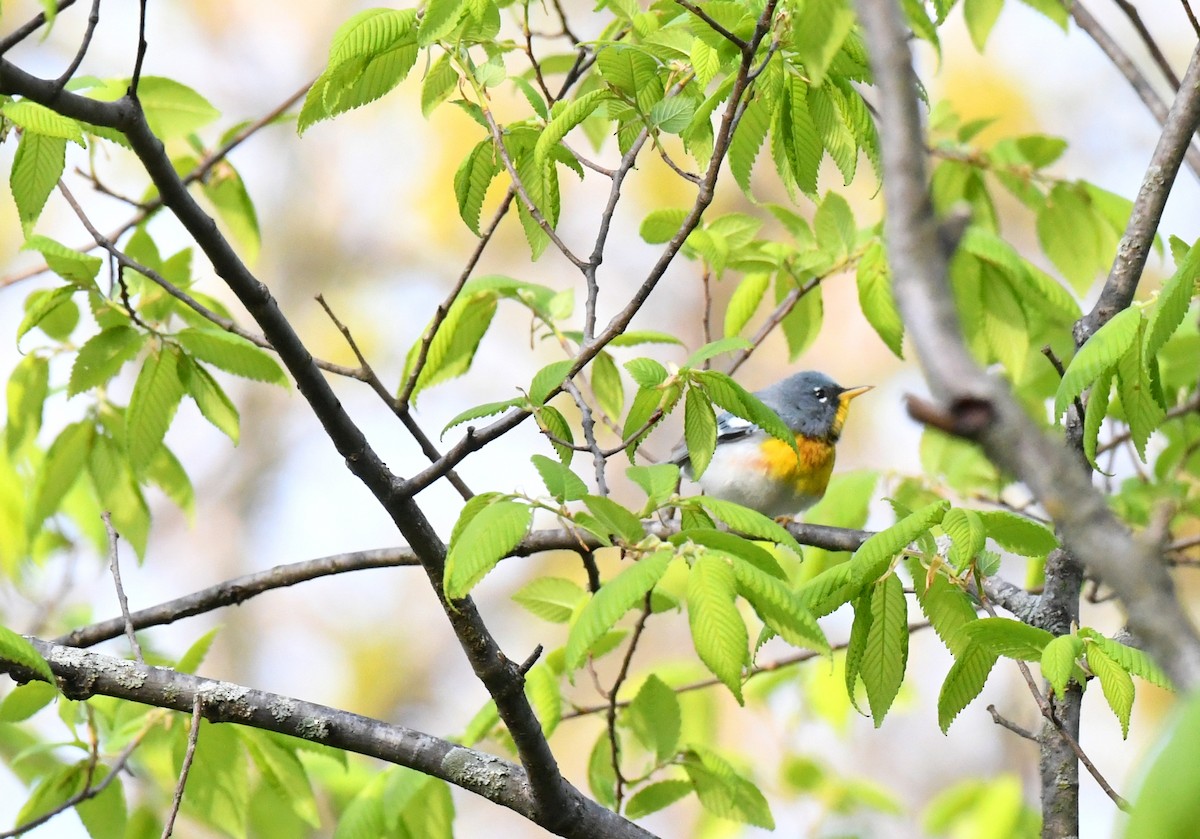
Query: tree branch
(82, 674)
(1089, 529)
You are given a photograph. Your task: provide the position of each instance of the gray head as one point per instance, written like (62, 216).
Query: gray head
(811, 403)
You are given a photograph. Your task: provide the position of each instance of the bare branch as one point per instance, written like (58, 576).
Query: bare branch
(82, 674)
(28, 28)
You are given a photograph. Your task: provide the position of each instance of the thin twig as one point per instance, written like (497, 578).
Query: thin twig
(714, 25)
(368, 375)
(1192, 405)
(93, 19)
(439, 315)
(114, 567)
(1004, 722)
(29, 27)
(785, 307)
(758, 670)
(1136, 79)
(622, 675)
(141, 51)
(193, 738)
(1151, 45)
(1191, 17)
(87, 793)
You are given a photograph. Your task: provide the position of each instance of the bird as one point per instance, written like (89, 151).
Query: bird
(756, 470)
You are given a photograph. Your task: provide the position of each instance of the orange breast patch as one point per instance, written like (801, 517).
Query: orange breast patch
(809, 473)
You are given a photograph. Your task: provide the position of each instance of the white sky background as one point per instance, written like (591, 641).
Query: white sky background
(334, 207)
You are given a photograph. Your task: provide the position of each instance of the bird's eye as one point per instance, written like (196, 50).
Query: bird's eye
(820, 393)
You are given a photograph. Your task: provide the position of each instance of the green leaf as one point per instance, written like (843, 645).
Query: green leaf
(699, 430)
(981, 16)
(885, 652)
(64, 463)
(1008, 637)
(964, 682)
(946, 606)
(1069, 233)
(225, 189)
(555, 424)
(191, 660)
(661, 226)
(552, 599)
(166, 472)
(779, 607)
(715, 348)
(744, 302)
(655, 718)
(440, 81)
(795, 139)
(71, 265)
(1058, 661)
(632, 72)
(672, 115)
(28, 386)
(232, 354)
(1142, 409)
(371, 53)
(657, 481)
(1167, 804)
(1094, 414)
(280, 767)
(472, 179)
(549, 380)
(738, 401)
(656, 796)
(1017, 533)
(16, 649)
(875, 555)
(439, 19)
(490, 535)
(606, 384)
(876, 299)
(565, 119)
(748, 138)
(725, 793)
(643, 336)
(818, 33)
(454, 344)
(487, 409)
(25, 700)
(102, 357)
(1131, 659)
(616, 520)
(36, 168)
(966, 531)
(152, 406)
(718, 631)
(747, 521)
(1098, 355)
(620, 594)
(563, 484)
(215, 406)
(173, 109)
(43, 306)
(1116, 684)
(646, 372)
(1171, 305)
(41, 121)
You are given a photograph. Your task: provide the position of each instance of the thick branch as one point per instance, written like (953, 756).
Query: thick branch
(1089, 529)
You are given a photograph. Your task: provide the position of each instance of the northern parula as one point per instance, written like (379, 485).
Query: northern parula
(758, 471)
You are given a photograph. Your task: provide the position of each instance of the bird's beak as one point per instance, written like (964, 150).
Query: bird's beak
(852, 392)
(844, 406)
